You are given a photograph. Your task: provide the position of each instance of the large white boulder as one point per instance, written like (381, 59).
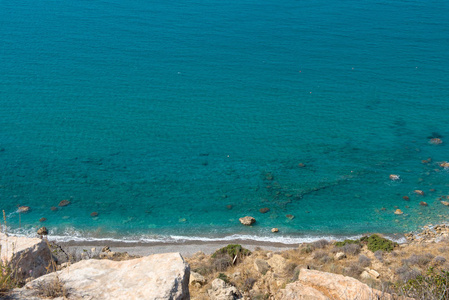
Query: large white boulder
(31, 257)
(154, 277)
(313, 284)
(222, 291)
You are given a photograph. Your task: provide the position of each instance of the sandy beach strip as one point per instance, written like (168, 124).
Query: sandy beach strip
(186, 249)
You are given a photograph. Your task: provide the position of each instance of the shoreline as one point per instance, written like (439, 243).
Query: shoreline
(186, 249)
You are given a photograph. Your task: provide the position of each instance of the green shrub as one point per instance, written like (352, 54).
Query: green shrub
(223, 277)
(376, 243)
(347, 242)
(432, 285)
(232, 250)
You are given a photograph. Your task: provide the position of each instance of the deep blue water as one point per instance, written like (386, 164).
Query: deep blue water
(160, 114)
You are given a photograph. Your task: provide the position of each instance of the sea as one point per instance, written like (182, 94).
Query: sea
(167, 121)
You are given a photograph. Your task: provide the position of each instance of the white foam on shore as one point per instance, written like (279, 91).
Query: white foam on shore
(175, 239)
(73, 235)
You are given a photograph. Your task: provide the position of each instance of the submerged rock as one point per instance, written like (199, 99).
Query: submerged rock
(406, 198)
(64, 203)
(444, 164)
(264, 210)
(394, 177)
(247, 220)
(419, 192)
(54, 208)
(94, 214)
(445, 203)
(422, 203)
(291, 217)
(435, 141)
(23, 209)
(42, 219)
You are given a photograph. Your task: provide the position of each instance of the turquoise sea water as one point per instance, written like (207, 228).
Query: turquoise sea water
(158, 115)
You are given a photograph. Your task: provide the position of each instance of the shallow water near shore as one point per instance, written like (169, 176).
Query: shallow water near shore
(172, 121)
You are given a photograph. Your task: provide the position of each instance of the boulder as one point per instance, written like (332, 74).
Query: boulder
(445, 203)
(222, 291)
(419, 192)
(278, 263)
(374, 274)
(299, 291)
(197, 279)
(30, 256)
(42, 219)
(247, 220)
(313, 284)
(94, 214)
(159, 276)
(261, 266)
(64, 203)
(444, 164)
(365, 275)
(274, 230)
(435, 141)
(422, 203)
(394, 177)
(42, 231)
(264, 210)
(340, 255)
(398, 212)
(23, 209)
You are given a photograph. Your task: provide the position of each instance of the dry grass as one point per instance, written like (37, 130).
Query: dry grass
(52, 288)
(395, 268)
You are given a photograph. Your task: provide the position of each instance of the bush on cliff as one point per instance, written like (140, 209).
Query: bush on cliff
(432, 285)
(375, 243)
(347, 242)
(232, 251)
